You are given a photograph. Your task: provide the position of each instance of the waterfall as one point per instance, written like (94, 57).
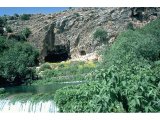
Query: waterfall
(44, 107)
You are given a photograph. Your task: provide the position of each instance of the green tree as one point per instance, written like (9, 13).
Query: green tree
(16, 63)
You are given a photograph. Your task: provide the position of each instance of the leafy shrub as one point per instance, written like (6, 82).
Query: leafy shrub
(2, 24)
(11, 18)
(151, 28)
(25, 32)
(100, 34)
(128, 80)
(16, 15)
(1, 31)
(116, 91)
(78, 96)
(44, 67)
(130, 26)
(25, 17)
(21, 36)
(76, 14)
(132, 46)
(3, 45)
(3, 21)
(16, 63)
(9, 29)
(50, 73)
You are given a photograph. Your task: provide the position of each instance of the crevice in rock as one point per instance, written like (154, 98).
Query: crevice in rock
(77, 41)
(82, 52)
(138, 13)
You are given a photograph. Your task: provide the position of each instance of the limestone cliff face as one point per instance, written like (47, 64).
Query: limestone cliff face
(69, 33)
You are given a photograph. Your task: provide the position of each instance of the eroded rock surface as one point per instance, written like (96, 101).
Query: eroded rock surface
(70, 32)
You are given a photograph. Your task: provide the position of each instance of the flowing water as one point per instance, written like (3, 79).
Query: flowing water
(29, 107)
(49, 106)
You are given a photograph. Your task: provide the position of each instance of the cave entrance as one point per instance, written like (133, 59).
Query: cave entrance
(55, 57)
(82, 52)
(59, 54)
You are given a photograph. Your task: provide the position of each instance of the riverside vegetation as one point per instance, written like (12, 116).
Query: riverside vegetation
(127, 79)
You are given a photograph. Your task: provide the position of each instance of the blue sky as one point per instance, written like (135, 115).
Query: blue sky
(29, 10)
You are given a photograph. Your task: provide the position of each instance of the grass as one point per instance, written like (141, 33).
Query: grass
(64, 71)
(51, 73)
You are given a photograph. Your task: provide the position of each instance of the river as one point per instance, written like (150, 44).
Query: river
(6, 105)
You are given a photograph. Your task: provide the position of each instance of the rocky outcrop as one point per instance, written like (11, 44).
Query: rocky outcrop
(70, 33)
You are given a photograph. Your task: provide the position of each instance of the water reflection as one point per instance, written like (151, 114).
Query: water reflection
(40, 88)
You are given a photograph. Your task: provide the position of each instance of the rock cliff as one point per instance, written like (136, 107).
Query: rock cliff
(68, 34)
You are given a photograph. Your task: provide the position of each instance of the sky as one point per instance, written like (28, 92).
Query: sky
(29, 10)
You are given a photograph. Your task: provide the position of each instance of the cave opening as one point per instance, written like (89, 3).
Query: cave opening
(56, 57)
(59, 54)
(82, 52)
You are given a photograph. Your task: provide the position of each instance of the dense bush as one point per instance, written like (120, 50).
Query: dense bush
(152, 28)
(25, 33)
(22, 35)
(76, 98)
(76, 14)
(16, 62)
(2, 24)
(3, 21)
(128, 81)
(16, 15)
(44, 67)
(132, 46)
(100, 34)
(130, 26)
(25, 17)
(9, 29)
(3, 45)
(133, 89)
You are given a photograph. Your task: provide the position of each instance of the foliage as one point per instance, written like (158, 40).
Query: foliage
(2, 24)
(16, 62)
(78, 96)
(9, 29)
(44, 67)
(130, 26)
(128, 80)
(100, 34)
(1, 31)
(76, 14)
(132, 46)
(3, 45)
(122, 91)
(16, 16)
(152, 28)
(25, 17)
(24, 34)
(67, 68)
(3, 21)
(64, 72)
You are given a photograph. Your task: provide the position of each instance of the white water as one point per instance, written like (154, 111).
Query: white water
(29, 107)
